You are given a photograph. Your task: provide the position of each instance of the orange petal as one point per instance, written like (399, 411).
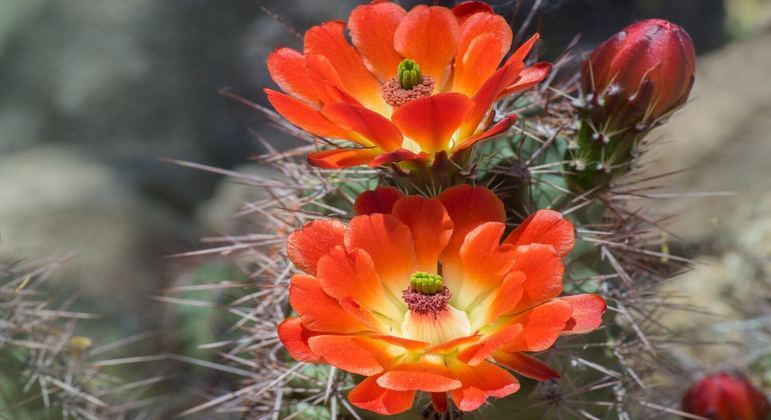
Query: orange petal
(587, 313)
(341, 158)
(484, 263)
(480, 382)
(305, 116)
(521, 53)
(453, 345)
(465, 10)
(528, 78)
(319, 311)
(542, 326)
(421, 376)
(430, 225)
(369, 124)
(321, 74)
(398, 155)
(487, 95)
(526, 365)
(545, 227)
(485, 39)
(494, 86)
(481, 351)
(344, 273)
(390, 244)
(315, 239)
(287, 68)
(405, 343)
(353, 354)
(543, 271)
(468, 208)
(376, 42)
(501, 301)
(370, 396)
(500, 127)
(380, 200)
(295, 338)
(429, 35)
(475, 63)
(329, 40)
(432, 120)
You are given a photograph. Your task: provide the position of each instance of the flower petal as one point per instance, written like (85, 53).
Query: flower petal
(321, 75)
(315, 239)
(503, 300)
(542, 326)
(475, 63)
(420, 376)
(390, 244)
(430, 225)
(481, 351)
(287, 68)
(526, 365)
(368, 395)
(429, 35)
(499, 127)
(484, 264)
(494, 86)
(468, 208)
(328, 39)
(528, 78)
(295, 338)
(465, 10)
(341, 158)
(480, 382)
(343, 273)
(398, 155)
(545, 227)
(543, 270)
(587, 313)
(319, 311)
(354, 354)
(376, 42)
(485, 39)
(379, 200)
(305, 116)
(432, 120)
(369, 124)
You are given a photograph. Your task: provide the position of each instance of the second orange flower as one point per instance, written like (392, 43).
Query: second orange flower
(412, 85)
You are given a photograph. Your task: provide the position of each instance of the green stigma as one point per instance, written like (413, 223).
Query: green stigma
(427, 284)
(409, 74)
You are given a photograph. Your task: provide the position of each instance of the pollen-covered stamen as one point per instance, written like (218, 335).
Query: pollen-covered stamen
(426, 294)
(425, 283)
(408, 85)
(409, 74)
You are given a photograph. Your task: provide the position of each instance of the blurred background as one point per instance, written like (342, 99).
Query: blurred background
(94, 93)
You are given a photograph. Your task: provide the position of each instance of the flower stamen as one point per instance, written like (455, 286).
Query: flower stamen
(408, 85)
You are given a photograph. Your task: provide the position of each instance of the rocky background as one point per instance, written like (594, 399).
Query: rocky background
(93, 93)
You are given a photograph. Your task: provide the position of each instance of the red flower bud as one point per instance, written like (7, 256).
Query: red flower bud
(638, 75)
(723, 396)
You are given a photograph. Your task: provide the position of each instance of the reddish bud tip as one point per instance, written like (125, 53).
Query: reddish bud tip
(723, 396)
(640, 73)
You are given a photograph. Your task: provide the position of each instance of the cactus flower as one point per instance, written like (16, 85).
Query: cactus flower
(724, 396)
(639, 75)
(420, 294)
(411, 85)
(629, 84)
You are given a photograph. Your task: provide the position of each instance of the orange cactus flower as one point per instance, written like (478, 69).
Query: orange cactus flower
(725, 396)
(420, 294)
(413, 84)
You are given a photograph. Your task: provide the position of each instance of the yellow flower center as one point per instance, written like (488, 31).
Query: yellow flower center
(409, 74)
